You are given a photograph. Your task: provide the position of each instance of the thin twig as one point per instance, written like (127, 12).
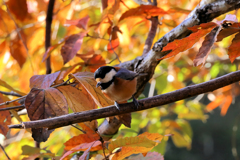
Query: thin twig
(5, 152)
(15, 107)
(78, 129)
(19, 34)
(11, 93)
(8, 102)
(96, 37)
(113, 48)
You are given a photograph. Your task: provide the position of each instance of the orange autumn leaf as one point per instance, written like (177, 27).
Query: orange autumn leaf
(206, 46)
(181, 45)
(214, 104)
(18, 50)
(86, 147)
(143, 10)
(226, 105)
(18, 8)
(234, 49)
(88, 137)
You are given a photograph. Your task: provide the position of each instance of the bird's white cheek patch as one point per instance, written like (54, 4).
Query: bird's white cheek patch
(108, 77)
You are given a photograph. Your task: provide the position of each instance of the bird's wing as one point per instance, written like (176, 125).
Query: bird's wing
(126, 74)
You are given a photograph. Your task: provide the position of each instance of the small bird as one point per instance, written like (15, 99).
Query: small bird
(118, 84)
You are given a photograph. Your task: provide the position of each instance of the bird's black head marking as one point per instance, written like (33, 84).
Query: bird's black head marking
(102, 71)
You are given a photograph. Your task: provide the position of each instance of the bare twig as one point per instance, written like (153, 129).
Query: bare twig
(19, 34)
(78, 128)
(114, 50)
(11, 93)
(48, 33)
(8, 102)
(15, 107)
(147, 103)
(5, 152)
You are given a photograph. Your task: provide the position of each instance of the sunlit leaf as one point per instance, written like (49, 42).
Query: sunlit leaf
(4, 84)
(181, 45)
(86, 79)
(143, 10)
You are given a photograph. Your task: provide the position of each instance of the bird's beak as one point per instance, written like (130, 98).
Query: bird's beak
(98, 84)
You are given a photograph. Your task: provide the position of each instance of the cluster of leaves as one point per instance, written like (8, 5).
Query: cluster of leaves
(84, 38)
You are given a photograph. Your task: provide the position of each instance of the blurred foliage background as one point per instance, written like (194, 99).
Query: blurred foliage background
(203, 127)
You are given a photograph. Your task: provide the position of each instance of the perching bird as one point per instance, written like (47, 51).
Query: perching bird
(118, 84)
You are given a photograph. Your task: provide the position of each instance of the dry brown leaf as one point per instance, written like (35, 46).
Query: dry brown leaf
(79, 101)
(206, 46)
(72, 45)
(41, 104)
(43, 81)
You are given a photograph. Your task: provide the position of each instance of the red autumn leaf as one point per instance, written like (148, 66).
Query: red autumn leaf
(234, 49)
(5, 118)
(181, 45)
(18, 50)
(43, 81)
(143, 10)
(214, 104)
(42, 104)
(206, 46)
(72, 45)
(80, 23)
(18, 8)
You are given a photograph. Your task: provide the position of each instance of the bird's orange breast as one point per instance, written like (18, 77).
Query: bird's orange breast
(121, 90)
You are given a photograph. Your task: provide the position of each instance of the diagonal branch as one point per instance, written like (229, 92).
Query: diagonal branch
(147, 103)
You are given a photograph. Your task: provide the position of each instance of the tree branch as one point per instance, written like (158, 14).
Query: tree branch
(48, 34)
(147, 103)
(11, 93)
(147, 63)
